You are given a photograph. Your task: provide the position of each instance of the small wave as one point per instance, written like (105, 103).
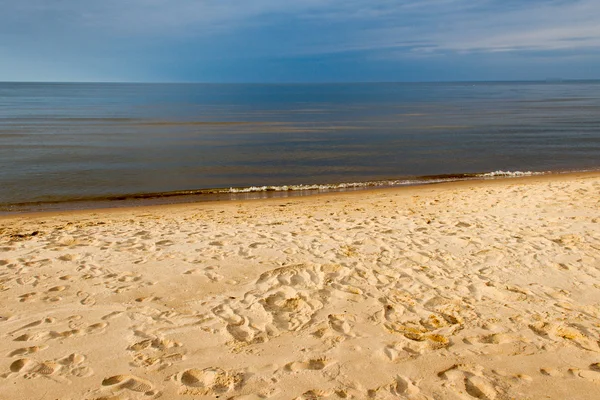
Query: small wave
(509, 174)
(383, 183)
(325, 187)
(335, 186)
(248, 192)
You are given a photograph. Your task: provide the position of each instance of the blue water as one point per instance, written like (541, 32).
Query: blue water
(64, 142)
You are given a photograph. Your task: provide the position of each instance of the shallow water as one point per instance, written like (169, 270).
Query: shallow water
(63, 142)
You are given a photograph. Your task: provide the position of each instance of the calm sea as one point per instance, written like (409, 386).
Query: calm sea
(62, 143)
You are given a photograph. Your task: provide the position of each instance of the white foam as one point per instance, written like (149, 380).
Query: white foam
(336, 186)
(326, 187)
(384, 183)
(509, 174)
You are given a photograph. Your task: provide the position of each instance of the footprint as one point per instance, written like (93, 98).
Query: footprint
(129, 278)
(342, 324)
(57, 288)
(551, 372)
(193, 271)
(565, 332)
(72, 359)
(96, 328)
(397, 351)
(27, 337)
(400, 388)
(48, 320)
(590, 375)
(213, 276)
(158, 344)
(469, 378)
(47, 368)
(129, 382)
(315, 394)
(27, 280)
(405, 387)
(480, 388)
(312, 365)
(27, 350)
(89, 300)
(208, 381)
(82, 372)
(112, 315)
(23, 365)
(27, 297)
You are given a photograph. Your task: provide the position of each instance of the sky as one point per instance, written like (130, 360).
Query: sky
(298, 40)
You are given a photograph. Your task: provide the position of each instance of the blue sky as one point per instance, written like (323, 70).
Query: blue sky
(298, 41)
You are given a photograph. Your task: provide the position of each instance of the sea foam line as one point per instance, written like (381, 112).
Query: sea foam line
(332, 186)
(509, 174)
(386, 183)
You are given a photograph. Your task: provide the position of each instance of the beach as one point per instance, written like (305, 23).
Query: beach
(483, 289)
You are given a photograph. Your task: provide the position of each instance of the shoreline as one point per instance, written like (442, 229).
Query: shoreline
(475, 181)
(243, 193)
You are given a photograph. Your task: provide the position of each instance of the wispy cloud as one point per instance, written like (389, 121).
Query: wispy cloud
(460, 25)
(301, 28)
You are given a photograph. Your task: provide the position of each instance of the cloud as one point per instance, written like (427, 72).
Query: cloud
(458, 25)
(205, 31)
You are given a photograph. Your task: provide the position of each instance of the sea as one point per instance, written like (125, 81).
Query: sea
(87, 145)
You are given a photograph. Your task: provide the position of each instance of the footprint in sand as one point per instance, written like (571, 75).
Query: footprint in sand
(26, 337)
(27, 350)
(309, 365)
(342, 323)
(208, 381)
(129, 278)
(592, 375)
(30, 369)
(57, 289)
(465, 378)
(96, 328)
(549, 371)
(91, 329)
(86, 299)
(128, 382)
(315, 394)
(155, 353)
(52, 299)
(47, 368)
(48, 320)
(213, 276)
(74, 364)
(112, 315)
(27, 280)
(401, 387)
(23, 365)
(565, 332)
(27, 297)
(397, 351)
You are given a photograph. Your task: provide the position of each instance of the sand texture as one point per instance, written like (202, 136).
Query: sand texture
(476, 290)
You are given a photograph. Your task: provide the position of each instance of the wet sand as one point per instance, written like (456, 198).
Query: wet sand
(465, 290)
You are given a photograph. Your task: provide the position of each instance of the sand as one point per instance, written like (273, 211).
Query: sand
(473, 290)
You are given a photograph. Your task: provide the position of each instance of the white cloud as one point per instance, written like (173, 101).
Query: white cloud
(325, 25)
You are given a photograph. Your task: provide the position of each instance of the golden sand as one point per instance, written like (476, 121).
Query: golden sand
(472, 290)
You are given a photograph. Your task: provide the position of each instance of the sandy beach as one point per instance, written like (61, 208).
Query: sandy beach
(469, 290)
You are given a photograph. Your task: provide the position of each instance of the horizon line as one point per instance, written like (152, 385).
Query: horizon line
(546, 80)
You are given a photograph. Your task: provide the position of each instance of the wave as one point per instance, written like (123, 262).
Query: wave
(510, 174)
(383, 183)
(248, 192)
(317, 187)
